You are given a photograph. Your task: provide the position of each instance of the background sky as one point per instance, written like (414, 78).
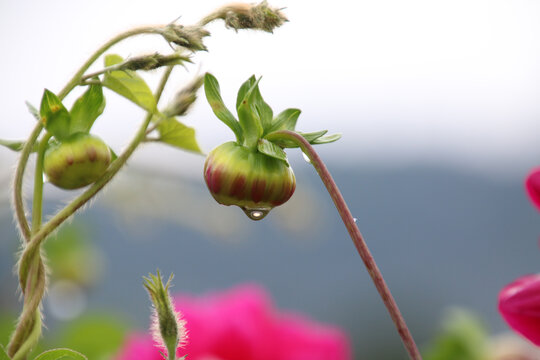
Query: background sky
(452, 83)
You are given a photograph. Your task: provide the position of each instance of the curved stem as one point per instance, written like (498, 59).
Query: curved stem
(18, 201)
(33, 246)
(357, 239)
(31, 268)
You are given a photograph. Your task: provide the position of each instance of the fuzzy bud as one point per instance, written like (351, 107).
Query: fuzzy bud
(168, 329)
(184, 98)
(189, 37)
(251, 16)
(154, 61)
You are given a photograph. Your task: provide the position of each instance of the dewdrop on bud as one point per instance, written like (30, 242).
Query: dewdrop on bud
(168, 329)
(184, 98)
(236, 175)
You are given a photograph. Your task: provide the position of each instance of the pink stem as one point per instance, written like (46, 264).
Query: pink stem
(357, 239)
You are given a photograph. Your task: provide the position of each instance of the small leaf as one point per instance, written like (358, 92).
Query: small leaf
(263, 109)
(249, 119)
(129, 85)
(32, 109)
(174, 133)
(266, 147)
(286, 120)
(244, 88)
(86, 109)
(3, 355)
(113, 154)
(326, 139)
(57, 354)
(54, 115)
(313, 136)
(213, 95)
(16, 145)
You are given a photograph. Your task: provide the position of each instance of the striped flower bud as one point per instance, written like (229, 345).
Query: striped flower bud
(236, 175)
(76, 162)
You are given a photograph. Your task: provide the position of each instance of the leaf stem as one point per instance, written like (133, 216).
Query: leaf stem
(357, 239)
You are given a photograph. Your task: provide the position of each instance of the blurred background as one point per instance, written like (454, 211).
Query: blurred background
(438, 106)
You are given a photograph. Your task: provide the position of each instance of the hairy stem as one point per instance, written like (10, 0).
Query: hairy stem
(357, 239)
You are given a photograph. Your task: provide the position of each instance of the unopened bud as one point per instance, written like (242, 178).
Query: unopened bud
(168, 329)
(154, 61)
(250, 16)
(189, 37)
(184, 98)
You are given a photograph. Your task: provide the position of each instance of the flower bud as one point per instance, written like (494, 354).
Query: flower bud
(184, 98)
(250, 16)
(76, 162)
(236, 175)
(519, 305)
(189, 37)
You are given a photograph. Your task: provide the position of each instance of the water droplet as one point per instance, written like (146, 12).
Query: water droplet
(256, 213)
(306, 158)
(355, 219)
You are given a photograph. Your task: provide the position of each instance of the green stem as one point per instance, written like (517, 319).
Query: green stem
(357, 239)
(33, 246)
(31, 269)
(18, 202)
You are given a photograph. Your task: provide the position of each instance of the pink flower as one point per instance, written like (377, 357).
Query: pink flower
(532, 184)
(519, 305)
(241, 324)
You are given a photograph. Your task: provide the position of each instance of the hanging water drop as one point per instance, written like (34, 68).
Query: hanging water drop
(256, 214)
(306, 157)
(355, 220)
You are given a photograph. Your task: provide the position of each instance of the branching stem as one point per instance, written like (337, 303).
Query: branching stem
(357, 239)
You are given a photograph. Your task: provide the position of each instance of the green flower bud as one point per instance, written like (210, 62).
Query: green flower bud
(76, 162)
(237, 175)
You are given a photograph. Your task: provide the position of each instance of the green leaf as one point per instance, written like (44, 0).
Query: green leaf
(261, 109)
(86, 109)
(129, 85)
(244, 88)
(286, 120)
(113, 154)
(174, 133)
(54, 115)
(312, 136)
(266, 147)
(213, 95)
(249, 119)
(3, 355)
(32, 109)
(57, 354)
(16, 145)
(326, 139)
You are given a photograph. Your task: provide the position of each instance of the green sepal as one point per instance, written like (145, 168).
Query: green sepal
(3, 355)
(17, 145)
(32, 109)
(113, 154)
(128, 84)
(213, 95)
(326, 139)
(261, 108)
(174, 133)
(54, 116)
(269, 148)
(249, 118)
(57, 354)
(286, 120)
(314, 138)
(87, 109)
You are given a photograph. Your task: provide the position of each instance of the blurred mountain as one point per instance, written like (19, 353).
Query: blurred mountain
(440, 237)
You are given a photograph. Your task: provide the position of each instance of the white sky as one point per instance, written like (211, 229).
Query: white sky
(455, 83)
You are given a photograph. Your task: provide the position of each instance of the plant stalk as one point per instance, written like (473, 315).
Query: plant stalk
(357, 239)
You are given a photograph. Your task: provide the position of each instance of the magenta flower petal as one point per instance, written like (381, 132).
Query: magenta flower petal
(519, 305)
(532, 184)
(242, 324)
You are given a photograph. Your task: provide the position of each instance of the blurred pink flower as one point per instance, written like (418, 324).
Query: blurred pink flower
(241, 324)
(519, 305)
(532, 184)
